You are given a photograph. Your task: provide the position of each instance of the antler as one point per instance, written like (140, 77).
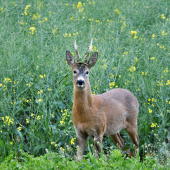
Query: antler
(90, 48)
(76, 48)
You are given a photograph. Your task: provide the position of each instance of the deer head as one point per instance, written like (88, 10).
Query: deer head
(81, 70)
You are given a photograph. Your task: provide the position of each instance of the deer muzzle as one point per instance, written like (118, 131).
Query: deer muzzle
(80, 83)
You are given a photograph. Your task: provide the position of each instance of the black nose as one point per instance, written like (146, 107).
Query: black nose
(80, 82)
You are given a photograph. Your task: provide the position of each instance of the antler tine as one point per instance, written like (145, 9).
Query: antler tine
(90, 48)
(76, 48)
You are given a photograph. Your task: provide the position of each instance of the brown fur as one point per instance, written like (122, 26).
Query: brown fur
(99, 115)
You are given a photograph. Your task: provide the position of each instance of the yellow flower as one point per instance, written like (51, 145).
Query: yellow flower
(27, 121)
(150, 111)
(133, 33)
(61, 122)
(32, 29)
(153, 36)
(41, 76)
(52, 143)
(0, 85)
(117, 11)
(19, 128)
(112, 84)
(49, 89)
(162, 16)
(153, 58)
(62, 149)
(72, 141)
(65, 35)
(54, 30)
(1, 9)
(26, 9)
(35, 16)
(72, 17)
(32, 115)
(81, 9)
(40, 100)
(22, 23)
(163, 32)
(94, 48)
(79, 5)
(153, 125)
(38, 117)
(168, 82)
(7, 80)
(132, 68)
(135, 37)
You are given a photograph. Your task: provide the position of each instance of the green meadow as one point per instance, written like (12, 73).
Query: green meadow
(132, 39)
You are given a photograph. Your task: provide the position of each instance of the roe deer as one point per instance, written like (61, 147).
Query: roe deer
(99, 115)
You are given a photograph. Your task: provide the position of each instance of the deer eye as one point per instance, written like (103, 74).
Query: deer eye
(74, 71)
(87, 72)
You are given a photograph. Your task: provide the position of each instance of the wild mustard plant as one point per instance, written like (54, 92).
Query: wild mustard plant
(35, 84)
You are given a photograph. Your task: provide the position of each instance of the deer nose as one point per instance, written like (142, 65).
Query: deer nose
(80, 82)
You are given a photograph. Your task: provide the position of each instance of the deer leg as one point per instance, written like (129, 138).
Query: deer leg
(81, 142)
(118, 140)
(98, 144)
(134, 136)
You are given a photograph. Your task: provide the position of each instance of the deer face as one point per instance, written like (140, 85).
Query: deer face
(81, 74)
(81, 70)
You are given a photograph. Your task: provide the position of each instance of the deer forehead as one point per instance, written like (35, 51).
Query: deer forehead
(81, 67)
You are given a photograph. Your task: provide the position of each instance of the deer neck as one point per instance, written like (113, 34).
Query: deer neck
(83, 98)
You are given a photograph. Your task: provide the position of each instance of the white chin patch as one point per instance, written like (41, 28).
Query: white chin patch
(80, 85)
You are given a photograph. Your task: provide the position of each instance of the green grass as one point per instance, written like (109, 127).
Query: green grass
(36, 88)
(52, 160)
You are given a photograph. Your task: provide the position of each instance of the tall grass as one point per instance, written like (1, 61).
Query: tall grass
(132, 38)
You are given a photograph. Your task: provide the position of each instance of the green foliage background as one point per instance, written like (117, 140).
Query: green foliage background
(36, 88)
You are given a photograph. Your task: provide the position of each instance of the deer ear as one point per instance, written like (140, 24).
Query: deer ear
(69, 58)
(93, 59)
